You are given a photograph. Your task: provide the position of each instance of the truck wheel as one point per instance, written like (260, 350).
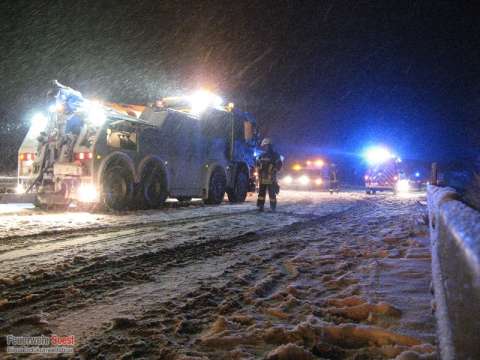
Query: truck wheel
(154, 188)
(216, 188)
(117, 188)
(38, 204)
(239, 192)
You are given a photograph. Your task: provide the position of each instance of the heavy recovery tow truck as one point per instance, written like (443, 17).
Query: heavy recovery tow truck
(121, 156)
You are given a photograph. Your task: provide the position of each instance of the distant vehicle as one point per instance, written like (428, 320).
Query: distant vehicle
(382, 177)
(418, 181)
(305, 174)
(124, 156)
(384, 172)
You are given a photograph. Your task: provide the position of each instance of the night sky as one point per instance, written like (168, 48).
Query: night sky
(318, 75)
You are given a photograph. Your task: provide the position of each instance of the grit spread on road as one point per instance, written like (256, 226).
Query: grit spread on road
(328, 276)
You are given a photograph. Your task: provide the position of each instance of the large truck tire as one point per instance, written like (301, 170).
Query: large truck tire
(153, 187)
(117, 188)
(240, 188)
(216, 188)
(40, 204)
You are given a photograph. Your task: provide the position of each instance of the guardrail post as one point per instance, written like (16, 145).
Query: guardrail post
(434, 174)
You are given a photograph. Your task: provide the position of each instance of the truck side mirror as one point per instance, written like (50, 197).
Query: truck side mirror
(248, 130)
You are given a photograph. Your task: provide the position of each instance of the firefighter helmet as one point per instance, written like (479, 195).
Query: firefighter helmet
(266, 141)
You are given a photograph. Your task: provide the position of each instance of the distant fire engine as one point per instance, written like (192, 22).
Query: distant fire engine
(384, 172)
(305, 174)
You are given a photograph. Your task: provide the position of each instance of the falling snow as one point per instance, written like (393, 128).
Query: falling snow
(323, 74)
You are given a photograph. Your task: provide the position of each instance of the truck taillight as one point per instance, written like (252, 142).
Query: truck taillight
(27, 156)
(83, 156)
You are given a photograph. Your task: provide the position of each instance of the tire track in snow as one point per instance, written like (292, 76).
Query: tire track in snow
(46, 238)
(108, 228)
(104, 274)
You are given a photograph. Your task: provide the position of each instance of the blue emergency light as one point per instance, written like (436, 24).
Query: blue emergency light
(377, 155)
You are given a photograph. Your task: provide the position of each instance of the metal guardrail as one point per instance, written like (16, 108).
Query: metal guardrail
(7, 192)
(17, 198)
(8, 184)
(455, 238)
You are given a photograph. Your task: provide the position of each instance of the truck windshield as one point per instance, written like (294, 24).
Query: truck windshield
(122, 135)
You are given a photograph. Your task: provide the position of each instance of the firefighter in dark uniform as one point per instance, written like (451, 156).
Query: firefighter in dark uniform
(333, 178)
(268, 164)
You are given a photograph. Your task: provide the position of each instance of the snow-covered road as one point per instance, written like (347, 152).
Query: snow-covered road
(332, 276)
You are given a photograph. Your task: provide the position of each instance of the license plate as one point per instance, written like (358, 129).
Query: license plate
(67, 169)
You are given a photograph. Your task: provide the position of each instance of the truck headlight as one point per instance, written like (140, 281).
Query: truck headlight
(87, 193)
(287, 179)
(203, 99)
(95, 113)
(403, 186)
(39, 123)
(304, 180)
